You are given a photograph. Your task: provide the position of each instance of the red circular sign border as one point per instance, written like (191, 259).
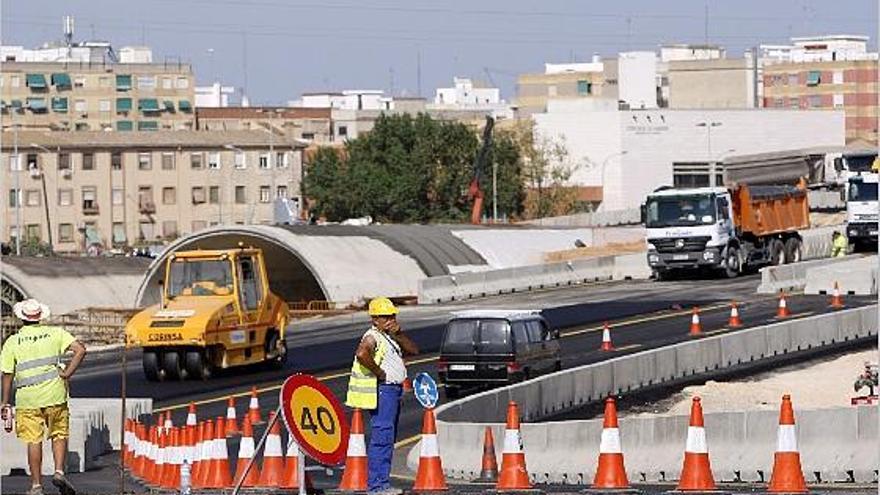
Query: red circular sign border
(292, 383)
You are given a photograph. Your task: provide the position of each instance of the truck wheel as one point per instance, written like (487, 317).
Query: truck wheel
(172, 366)
(152, 371)
(197, 365)
(660, 276)
(731, 265)
(777, 252)
(793, 250)
(274, 344)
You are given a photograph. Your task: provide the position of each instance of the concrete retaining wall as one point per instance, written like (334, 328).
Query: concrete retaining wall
(848, 443)
(854, 276)
(794, 276)
(94, 430)
(596, 219)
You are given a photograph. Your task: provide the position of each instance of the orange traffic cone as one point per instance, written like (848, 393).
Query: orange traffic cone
(218, 467)
(734, 321)
(429, 477)
(203, 455)
(154, 478)
(514, 475)
(171, 470)
(137, 462)
(489, 468)
(696, 327)
(245, 454)
(606, 339)
(150, 452)
(354, 478)
(168, 423)
(273, 458)
(191, 417)
(782, 310)
(189, 445)
(696, 474)
(254, 408)
(610, 474)
(836, 298)
(787, 477)
(231, 422)
(290, 478)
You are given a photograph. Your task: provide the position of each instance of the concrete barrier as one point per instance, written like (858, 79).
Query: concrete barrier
(835, 444)
(793, 277)
(596, 219)
(94, 431)
(855, 276)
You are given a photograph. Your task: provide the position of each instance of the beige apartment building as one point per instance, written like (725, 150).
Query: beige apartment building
(114, 189)
(310, 124)
(850, 85)
(577, 80)
(83, 96)
(714, 83)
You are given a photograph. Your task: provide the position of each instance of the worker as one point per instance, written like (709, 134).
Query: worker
(30, 361)
(376, 385)
(838, 244)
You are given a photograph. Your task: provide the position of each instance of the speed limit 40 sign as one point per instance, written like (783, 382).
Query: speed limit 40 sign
(315, 418)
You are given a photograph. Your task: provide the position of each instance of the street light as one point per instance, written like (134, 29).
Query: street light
(45, 197)
(604, 163)
(709, 125)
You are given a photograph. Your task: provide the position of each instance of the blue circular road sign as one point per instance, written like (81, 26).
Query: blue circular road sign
(425, 390)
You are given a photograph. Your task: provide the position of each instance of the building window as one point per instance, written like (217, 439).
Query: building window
(104, 106)
(79, 82)
(198, 195)
(182, 83)
(281, 192)
(837, 77)
(145, 198)
(814, 101)
(65, 197)
(14, 198)
(32, 161)
(265, 194)
(793, 80)
(32, 197)
(281, 160)
(814, 77)
(214, 195)
(118, 233)
(88, 161)
(794, 103)
(14, 164)
(169, 229)
(584, 88)
(551, 90)
(264, 161)
(146, 230)
(82, 126)
(80, 106)
(32, 231)
(89, 199)
(64, 161)
(169, 196)
(240, 195)
(65, 232)
(198, 225)
(15, 81)
(104, 82)
(144, 161)
(214, 160)
(166, 83)
(146, 82)
(167, 161)
(118, 197)
(343, 131)
(240, 160)
(116, 160)
(837, 100)
(308, 136)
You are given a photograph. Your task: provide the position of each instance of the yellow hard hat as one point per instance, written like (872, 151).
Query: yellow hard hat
(382, 306)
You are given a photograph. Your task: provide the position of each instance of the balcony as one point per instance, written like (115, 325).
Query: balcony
(90, 208)
(147, 207)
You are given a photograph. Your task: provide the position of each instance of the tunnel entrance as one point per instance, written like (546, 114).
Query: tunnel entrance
(289, 277)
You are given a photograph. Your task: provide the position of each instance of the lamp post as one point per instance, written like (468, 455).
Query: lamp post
(709, 125)
(237, 150)
(17, 185)
(602, 176)
(45, 195)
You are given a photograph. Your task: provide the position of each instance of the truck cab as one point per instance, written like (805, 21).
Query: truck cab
(862, 211)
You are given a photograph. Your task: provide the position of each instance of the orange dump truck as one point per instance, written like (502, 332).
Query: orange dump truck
(728, 230)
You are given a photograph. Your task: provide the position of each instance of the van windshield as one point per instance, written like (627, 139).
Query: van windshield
(477, 336)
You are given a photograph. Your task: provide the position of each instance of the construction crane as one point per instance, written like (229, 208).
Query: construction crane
(475, 193)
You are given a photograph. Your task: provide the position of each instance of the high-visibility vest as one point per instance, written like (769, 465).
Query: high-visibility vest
(38, 355)
(838, 247)
(363, 384)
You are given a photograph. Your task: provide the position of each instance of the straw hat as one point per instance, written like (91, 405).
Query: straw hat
(31, 310)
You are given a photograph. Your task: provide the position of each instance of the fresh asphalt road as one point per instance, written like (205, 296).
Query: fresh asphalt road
(643, 315)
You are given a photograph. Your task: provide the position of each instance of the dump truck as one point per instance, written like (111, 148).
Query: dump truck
(216, 312)
(724, 229)
(862, 211)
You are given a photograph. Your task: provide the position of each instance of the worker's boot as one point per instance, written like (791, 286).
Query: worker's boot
(63, 484)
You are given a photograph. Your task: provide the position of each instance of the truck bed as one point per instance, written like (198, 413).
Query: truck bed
(767, 210)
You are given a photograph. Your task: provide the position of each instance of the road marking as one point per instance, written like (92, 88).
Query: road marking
(622, 323)
(628, 347)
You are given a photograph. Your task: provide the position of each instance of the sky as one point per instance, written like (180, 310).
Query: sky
(278, 49)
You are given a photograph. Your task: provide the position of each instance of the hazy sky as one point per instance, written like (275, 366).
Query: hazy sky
(277, 49)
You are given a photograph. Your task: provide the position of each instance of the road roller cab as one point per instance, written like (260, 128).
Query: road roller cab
(216, 312)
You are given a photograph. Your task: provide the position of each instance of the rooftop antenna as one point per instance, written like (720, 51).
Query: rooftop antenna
(68, 30)
(706, 25)
(419, 72)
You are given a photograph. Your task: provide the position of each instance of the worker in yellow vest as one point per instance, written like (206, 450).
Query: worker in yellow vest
(376, 385)
(30, 362)
(838, 244)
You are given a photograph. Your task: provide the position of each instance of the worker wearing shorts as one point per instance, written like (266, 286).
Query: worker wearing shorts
(30, 362)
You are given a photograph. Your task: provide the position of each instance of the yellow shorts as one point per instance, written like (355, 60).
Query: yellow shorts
(32, 424)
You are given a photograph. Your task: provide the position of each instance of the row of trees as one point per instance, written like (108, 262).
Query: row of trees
(417, 169)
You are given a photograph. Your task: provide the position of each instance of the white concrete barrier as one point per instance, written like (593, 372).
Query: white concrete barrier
(854, 276)
(793, 277)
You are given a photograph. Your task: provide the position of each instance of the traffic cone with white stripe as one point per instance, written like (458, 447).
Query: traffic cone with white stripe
(191, 417)
(836, 298)
(203, 455)
(610, 473)
(696, 327)
(168, 423)
(429, 477)
(489, 468)
(150, 450)
(245, 454)
(171, 469)
(231, 421)
(787, 477)
(155, 475)
(354, 477)
(734, 321)
(696, 473)
(254, 408)
(272, 474)
(127, 444)
(137, 463)
(782, 310)
(606, 339)
(290, 477)
(514, 475)
(218, 467)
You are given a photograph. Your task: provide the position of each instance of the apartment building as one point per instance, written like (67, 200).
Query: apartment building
(113, 189)
(96, 96)
(309, 124)
(595, 79)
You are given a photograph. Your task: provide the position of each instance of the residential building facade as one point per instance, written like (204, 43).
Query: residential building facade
(596, 79)
(308, 124)
(109, 189)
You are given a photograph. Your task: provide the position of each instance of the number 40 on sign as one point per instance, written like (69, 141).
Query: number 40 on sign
(315, 418)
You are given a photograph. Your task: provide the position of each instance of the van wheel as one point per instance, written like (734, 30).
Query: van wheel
(793, 250)
(451, 392)
(274, 345)
(172, 366)
(152, 371)
(197, 365)
(777, 252)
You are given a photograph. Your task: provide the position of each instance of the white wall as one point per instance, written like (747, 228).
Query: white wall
(637, 75)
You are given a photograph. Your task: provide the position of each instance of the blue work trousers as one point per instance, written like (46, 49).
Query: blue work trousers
(383, 431)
